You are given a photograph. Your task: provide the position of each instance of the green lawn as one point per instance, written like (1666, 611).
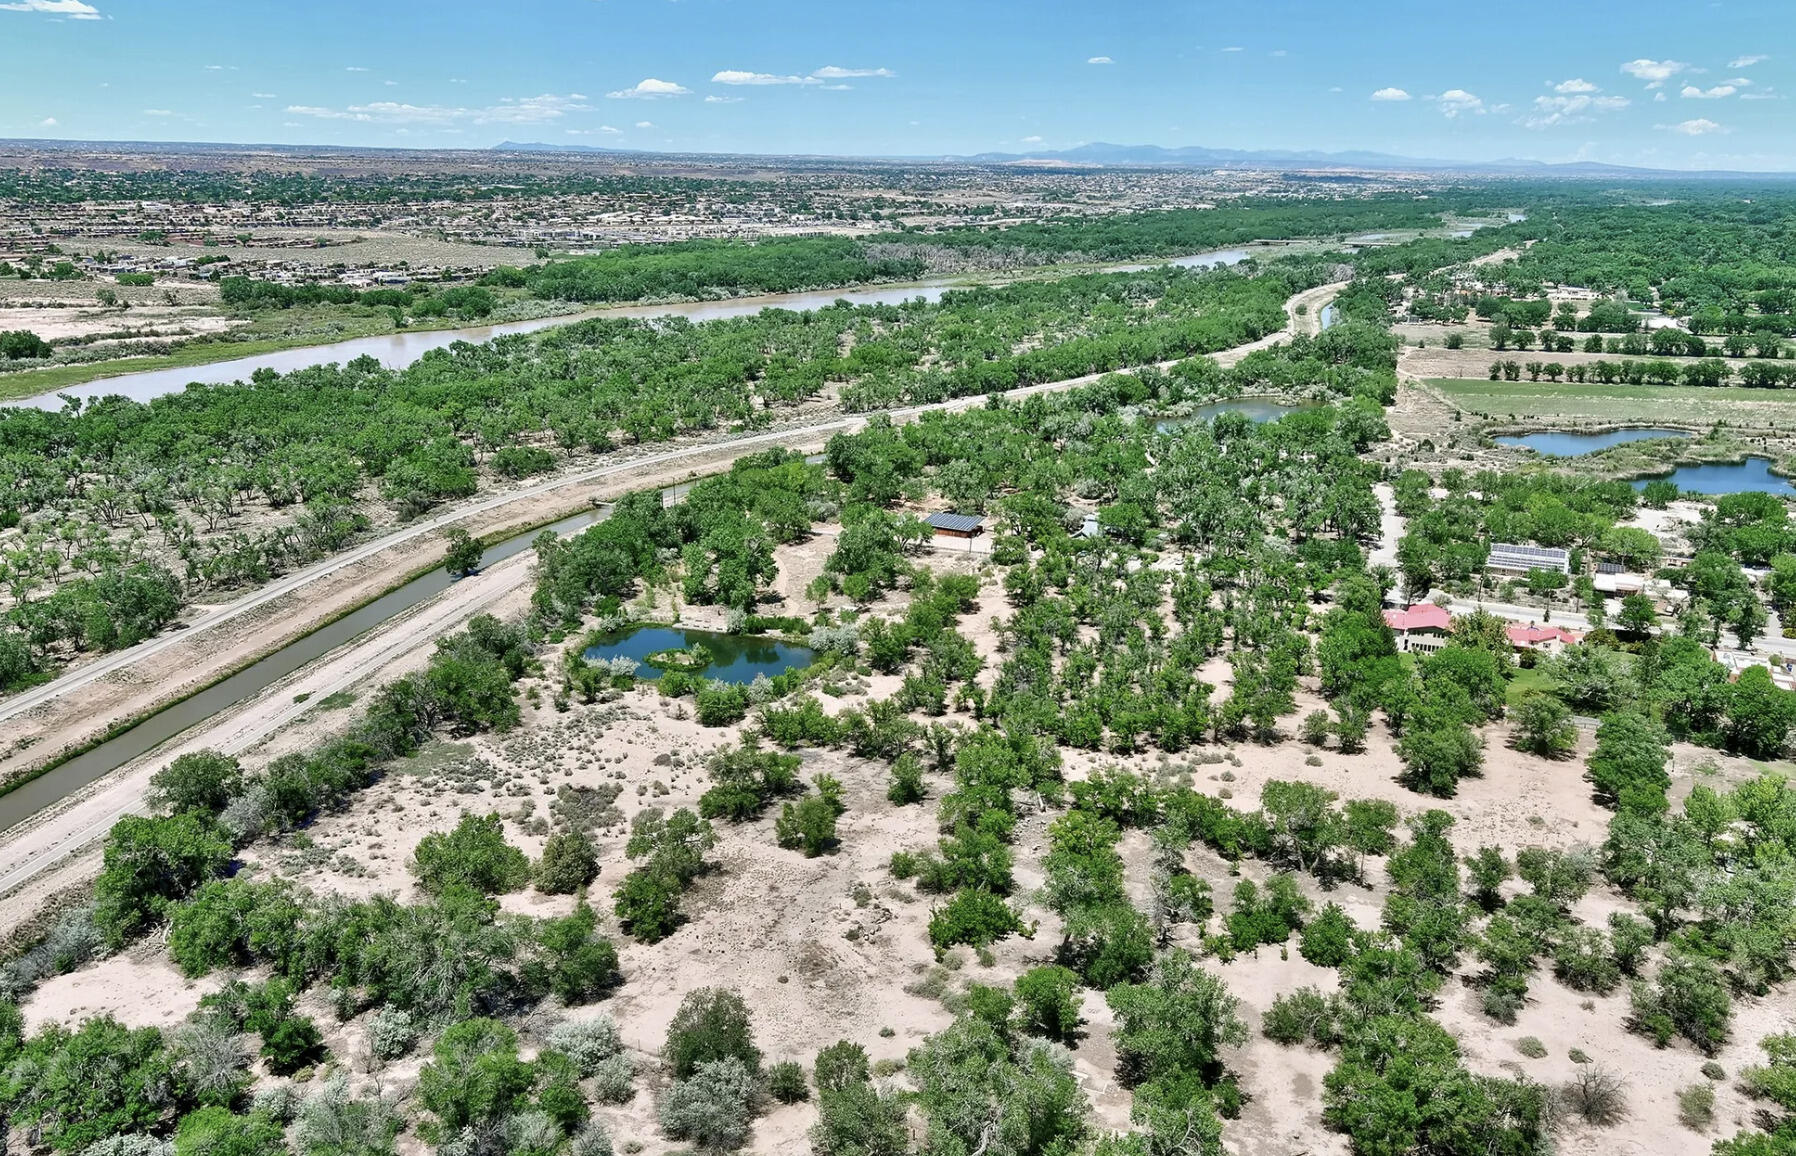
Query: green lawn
(1534, 400)
(1525, 682)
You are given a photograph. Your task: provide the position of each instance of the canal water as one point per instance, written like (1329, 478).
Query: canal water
(29, 798)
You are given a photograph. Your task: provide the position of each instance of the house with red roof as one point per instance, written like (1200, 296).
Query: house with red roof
(1544, 639)
(1422, 629)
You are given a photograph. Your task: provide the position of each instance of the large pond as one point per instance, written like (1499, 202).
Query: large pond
(1255, 409)
(1750, 476)
(734, 657)
(1554, 444)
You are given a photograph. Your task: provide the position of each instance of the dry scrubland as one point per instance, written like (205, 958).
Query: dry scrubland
(835, 947)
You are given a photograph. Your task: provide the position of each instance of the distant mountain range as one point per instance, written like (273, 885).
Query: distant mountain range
(1100, 154)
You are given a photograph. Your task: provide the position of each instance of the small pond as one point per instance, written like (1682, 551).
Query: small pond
(734, 657)
(1558, 444)
(1255, 409)
(1750, 476)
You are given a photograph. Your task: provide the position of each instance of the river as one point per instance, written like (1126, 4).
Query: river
(398, 350)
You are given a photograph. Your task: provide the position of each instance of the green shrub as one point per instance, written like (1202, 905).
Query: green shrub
(839, 1065)
(1305, 1015)
(786, 1082)
(198, 781)
(292, 1044)
(808, 825)
(1531, 1047)
(1048, 1002)
(474, 855)
(973, 917)
(712, 1024)
(1327, 940)
(907, 781)
(569, 862)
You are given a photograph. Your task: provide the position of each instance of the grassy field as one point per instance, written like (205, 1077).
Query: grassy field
(1545, 400)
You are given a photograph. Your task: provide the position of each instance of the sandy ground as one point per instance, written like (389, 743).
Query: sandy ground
(57, 323)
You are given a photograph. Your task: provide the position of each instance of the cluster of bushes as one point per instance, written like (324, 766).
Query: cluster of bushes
(464, 302)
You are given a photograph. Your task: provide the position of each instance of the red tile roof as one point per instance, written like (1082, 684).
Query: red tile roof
(1421, 616)
(1522, 635)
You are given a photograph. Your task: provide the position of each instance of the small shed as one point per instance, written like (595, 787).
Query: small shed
(955, 525)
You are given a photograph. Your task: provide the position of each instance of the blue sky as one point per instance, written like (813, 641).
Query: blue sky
(1644, 82)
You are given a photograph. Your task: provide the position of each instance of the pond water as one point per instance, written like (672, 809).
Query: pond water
(1558, 444)
(1256, 410)
(1750, 476)
(735, 658)
(1328, 316)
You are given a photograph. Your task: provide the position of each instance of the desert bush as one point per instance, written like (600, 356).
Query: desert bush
(569, 862)
(1583, 960)
(1696, 1107)
(1327, 940)
(475, 1076)
(71, 942)
(130, 1144)
(1303, 1015)
(1688, 997)
(1048, 1002)
(593, 1139)
(614, 1080)
(1597, 1095)
(1531, 1047)
(203, 781)
(587, 1042)
(839, 1065)
(391, 1033)
(907, 780)
(712, 1024)
(786, 1082)
(291, 1044)
(210, 1061)
(216, 1131)
(858, 1120)
(711, 1108)
(473, 855)
(332, 1122)
(808, 825)
(1713, 1071)
(973, 917)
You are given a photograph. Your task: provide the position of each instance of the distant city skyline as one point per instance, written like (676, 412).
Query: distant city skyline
(1651, 84)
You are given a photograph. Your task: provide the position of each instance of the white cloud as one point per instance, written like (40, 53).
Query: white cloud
(645, 124)
(1577, 109)
(650, 89)
(1691, 92)
(1390, 94)
(263, 95)
(1748, 61)
(47, 122)
(715, 99)
(1701, 126)
(1234, 48)
(1574, 86)
(1277, 52)
(73, 9)
(1334, 88)
(1031, 140)
(602, 130)
(1455, 101)
(737, 76)
(529, 110)
(1659, 97)
(1654, 72)
(158, 112)
(355, 68)
(1100, 60)
(831, 72)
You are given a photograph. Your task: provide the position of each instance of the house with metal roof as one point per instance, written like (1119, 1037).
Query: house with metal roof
(1509, 558)
(948, 525)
